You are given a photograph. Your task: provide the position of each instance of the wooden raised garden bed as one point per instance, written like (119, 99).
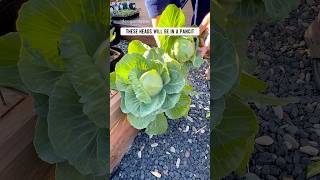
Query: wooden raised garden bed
(18, 159)
(122, 134)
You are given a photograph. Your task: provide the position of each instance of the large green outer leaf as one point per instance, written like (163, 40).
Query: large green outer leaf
(165, 75)
(124, 67)
(218, 107)
(313, 169)
(139, 122)
(84, 74)
(158, 126)
(9, 57)
(140, 109)
(248, 10)
(41, 140)
(36, 74)
(112, 78)
(137, 46)
(225, 67)
(10, 47)
(123, 104)
(171, 101)
(74, 137)
(40, 23)
(42, 143)
(279, 9)
(65, 171)
(177, 79)
(171, 17)
(180, 109)
(250, 88)
(243, 167)
(230, 138)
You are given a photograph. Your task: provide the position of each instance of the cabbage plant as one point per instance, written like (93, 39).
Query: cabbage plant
(152, 86)
(181, 48)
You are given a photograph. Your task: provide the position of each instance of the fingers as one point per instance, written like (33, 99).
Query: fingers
(205, 24)
(207, 42)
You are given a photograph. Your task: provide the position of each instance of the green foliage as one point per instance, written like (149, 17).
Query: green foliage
(59, 61)
(313, 169)
(233, 123)
(230, 136)
(112, 34)
(150, 85)
(9, 56)
(183, 49)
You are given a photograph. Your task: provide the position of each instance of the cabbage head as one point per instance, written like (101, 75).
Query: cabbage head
(152, 88)
(151, 82)
(184, 49)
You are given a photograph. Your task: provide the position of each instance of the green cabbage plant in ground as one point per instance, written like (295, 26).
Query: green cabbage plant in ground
(152, 86)
(153, 81)
(58, 56)
(234, 123)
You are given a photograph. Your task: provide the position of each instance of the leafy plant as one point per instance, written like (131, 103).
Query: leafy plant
(181, 48)
(313, 169)
(234, 124)
(153, 81)
(58, 56)
(151, 85)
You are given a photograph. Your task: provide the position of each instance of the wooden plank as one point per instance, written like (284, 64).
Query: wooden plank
(16, 131)
(28, 166)
(115, 111)
(12, 98)
(18, 159)
(122, 136)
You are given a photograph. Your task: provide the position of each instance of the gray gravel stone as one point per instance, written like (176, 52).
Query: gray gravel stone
(309, 150)
(292, 129)
(264, 140)
(278, 111)
(291, 140)
(287, 178)
(251, 176)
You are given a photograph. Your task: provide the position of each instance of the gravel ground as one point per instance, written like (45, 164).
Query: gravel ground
(183, 151)
(288, 139)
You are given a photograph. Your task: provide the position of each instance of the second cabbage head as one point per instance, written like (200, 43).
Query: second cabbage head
(153, 87)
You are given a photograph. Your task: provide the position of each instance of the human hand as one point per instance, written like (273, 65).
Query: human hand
(205, 36)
